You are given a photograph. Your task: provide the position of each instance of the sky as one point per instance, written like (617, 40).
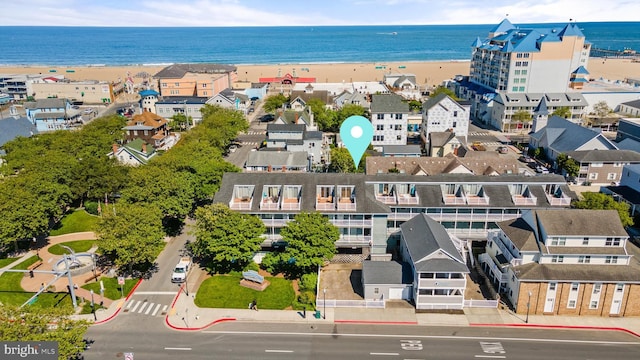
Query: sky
(163, 13)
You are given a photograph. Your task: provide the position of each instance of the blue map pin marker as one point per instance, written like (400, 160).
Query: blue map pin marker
(356, 133)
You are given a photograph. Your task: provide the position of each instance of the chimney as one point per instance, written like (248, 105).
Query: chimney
(144, 147)
(114, 147)
(269, 168)
(284, 168)
(296, 118)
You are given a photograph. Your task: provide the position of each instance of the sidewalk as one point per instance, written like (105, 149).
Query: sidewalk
(185, 315)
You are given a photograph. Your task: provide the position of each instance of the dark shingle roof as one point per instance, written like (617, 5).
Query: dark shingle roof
(605, 156)
(575, 222)
(179, 70)
(388, 103)
(386, 273)
(279, 159)
(587, 273)
(10, 128)
(424, 236)
(520, 234)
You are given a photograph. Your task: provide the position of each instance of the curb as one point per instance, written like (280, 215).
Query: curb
(375, 322)
(572, 327)
(175, 299)
(119, 306)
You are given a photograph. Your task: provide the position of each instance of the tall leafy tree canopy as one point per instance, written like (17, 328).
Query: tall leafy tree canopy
(130, 235)
(274, 102)
(600, 201)
(35, 324)
(310, 241)
(226, 239)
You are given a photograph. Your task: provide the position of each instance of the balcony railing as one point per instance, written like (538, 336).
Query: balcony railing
(454, 200)
(558, 201)
(290, 204)
(522, 200)
(240, 203)
(324, 205)
(477, 200)
(408, 199)
(269, 204)
(386, 199)
(346, 205)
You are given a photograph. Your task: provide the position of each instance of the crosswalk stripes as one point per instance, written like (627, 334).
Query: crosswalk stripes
(147, 308)
(256, 132)
(479, 134)
(250, 143)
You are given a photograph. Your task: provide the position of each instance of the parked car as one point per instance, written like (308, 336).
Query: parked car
(267, 118)
(503, 149)
(541, 169)
(251, 110)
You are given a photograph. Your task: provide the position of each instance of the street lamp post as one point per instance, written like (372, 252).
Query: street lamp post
(526, 320)
(324, 303)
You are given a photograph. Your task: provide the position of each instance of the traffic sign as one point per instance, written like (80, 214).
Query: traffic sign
(120, 280)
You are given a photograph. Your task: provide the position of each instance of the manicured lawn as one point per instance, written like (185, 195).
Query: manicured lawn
(86, 307)
(224, 291)
(111, 287)
(77, 246)
(11, 293)
(7, 261)
(77, 221)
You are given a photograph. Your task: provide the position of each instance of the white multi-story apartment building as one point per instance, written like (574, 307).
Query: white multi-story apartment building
(441, 113)
(516, 60)
(389, 116)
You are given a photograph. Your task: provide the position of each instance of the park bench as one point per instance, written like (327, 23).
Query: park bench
(35, 265)
(253, 275)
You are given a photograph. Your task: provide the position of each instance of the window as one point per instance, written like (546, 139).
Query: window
(380, 116)
(380, 127)
(611, 260)
(585, 241)
(557, 258)
(558, 241)
(376, 290)
(619, 287)
(516, 72)
(514, 89)
(426, 275)
(516, 81)
(552, 286)
(398, 116)
(525, 63)
(596, 164)
(176, 84)
(593, 176)
(521, 88)
(593, 304)
(524, 72)
(442, 275)
(584, 259)
(611, 176)
(399, 137)
(204, 85)
(397, 127)
(455, 113)
(575, 286)
(571, 304)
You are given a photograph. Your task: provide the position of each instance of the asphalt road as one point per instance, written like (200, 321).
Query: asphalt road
(151, 340)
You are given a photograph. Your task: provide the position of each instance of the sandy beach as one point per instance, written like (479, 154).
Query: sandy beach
(431, 73)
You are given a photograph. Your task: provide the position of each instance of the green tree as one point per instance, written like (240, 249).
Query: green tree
(345, 112)
(415, 105)
(569, 165)
(34, 324)
(521, 116)
(600, 201)
(323, 117)
(171, 192)
(23, 215)
(225, 239)
(130, 235)
(341, 161)
(180, 122)
(563, 112)
(601, 109)
(222, 125)
(274, 102)
(443, 90)
(310, 241)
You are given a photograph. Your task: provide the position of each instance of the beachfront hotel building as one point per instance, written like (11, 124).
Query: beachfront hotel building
(518, 66)
(199, 80)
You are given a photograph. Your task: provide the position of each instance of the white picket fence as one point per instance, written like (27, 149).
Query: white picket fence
(333, 303)
(481, 303)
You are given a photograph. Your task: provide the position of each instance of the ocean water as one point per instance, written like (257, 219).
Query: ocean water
(20, 45)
